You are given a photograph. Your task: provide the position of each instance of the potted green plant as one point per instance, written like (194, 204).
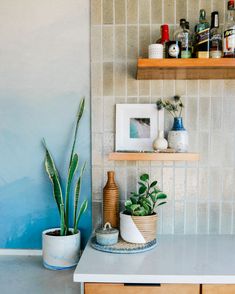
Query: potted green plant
(177, 136)
(61, 246)
(138, 222)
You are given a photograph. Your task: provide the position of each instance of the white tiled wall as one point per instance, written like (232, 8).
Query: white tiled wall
(200, 194)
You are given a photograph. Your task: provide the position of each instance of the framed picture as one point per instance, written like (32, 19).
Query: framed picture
(137, 126)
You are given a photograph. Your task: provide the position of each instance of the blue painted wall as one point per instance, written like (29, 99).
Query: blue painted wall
(44, 72)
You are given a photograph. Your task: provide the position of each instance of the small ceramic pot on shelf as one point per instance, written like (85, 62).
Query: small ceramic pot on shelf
(106, 235)
(178, 136)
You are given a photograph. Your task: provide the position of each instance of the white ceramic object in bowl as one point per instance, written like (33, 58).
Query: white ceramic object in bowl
(60, 252)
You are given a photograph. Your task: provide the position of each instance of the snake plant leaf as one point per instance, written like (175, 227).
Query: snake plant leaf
(79, 116)
(72, 170)
(82, 209)
(54, 177)
(62, 221)
(77, 194)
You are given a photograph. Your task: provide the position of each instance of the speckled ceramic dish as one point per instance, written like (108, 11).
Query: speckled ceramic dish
(124, 247)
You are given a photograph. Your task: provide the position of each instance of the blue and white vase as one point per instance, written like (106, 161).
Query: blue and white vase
(178, 136)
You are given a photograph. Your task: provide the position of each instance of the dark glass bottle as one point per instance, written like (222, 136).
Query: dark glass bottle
(215, 36)
(202, 36)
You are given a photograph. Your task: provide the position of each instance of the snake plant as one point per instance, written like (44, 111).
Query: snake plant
(62, 199)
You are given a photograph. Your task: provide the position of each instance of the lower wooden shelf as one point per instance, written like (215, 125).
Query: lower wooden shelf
(139, 156)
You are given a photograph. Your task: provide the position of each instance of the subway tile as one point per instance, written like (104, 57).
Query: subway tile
(107, 11)
(179, 217)
(217, 87)
(97, 180)
(155, 33)
(144, 89)
(168, 218)
(192, 113)
(206, 4)
(169, 14)
(181, 10)
(96, 44)
(193, 13)
(157, 89)
(229, 88)
(132, 83)
(228, 184)
(202, 218)
(132, 11)
(120, 79)
(132, 42)
(192, 184)
(216, 113)
(203, 191)
(229, 149)
(108, 79)
(190, 218)
(144, 11)
(120, 43)
(97, 116)
(156, 9)
(167, 182)
(192, 88)
(226, 218)
(120, 12)
(168, 88)
(96, 213)
(228, 113)
(215, 184)
(203, 144)
(180, 87)
(107, 43)
(214, 218)
(120, 179)
(131, 180)
(108, 147)
(216, 148)
(96, 79)
(204, 113)
(179, 183)
(144, 40)
(96, 12)
(204, 88)
(97, 149)
(109, 114)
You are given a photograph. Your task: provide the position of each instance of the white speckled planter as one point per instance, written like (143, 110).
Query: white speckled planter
(60, 252)
(178, 140)
(138, 229)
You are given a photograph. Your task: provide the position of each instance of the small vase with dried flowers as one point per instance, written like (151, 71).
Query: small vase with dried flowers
(178, 136)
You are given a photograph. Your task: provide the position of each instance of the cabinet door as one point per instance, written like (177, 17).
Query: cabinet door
(218, 289)
(100, 288)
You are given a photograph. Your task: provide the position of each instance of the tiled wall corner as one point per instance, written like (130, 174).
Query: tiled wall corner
(201, 194)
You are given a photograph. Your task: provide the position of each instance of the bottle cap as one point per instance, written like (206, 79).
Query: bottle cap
(182, 20)
(231, 5)
(203, 13)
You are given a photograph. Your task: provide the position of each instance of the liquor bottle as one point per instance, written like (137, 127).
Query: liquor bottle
(164, 37)
(184, 36)
(179, 29)
(215, 36)
(229, 32)
(202, 36)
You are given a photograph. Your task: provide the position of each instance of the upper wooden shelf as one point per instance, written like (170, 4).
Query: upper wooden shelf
(139, 156)
(186, 69)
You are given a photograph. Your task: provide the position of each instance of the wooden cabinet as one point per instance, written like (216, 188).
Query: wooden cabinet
(100, 288)
(218, 289)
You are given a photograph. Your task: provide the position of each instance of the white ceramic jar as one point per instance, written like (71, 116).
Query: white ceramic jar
(155, 51)
(60, 252)
(178, 140)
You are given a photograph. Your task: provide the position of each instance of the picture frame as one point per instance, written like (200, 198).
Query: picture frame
(137, 126)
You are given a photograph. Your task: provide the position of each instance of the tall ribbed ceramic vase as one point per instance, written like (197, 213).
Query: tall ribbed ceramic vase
(178, 136)
(111, 201)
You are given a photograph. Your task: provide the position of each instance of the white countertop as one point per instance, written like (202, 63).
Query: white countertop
(192, 259)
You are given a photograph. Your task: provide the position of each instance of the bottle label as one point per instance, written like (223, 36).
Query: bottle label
(174, 50)
(229, 40)
(203, 36)
(186, 54)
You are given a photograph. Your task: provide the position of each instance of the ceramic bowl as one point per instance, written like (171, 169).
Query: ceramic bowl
(106, 235)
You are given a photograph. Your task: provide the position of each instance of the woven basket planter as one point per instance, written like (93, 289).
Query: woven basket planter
(138, 229)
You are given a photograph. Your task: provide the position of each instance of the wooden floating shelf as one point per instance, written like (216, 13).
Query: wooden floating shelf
(138, 156)
(186, 69)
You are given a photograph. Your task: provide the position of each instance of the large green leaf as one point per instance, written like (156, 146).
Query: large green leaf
(54, 177)
(82, 209)
(142, 189)
(154, 183)
(144, 177)
(72, 170)
(77, 194)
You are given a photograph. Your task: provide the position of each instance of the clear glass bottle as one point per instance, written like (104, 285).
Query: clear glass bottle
(215, 36)
(179, 28)
(229, 31)
(184, 36)
(202, 30)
